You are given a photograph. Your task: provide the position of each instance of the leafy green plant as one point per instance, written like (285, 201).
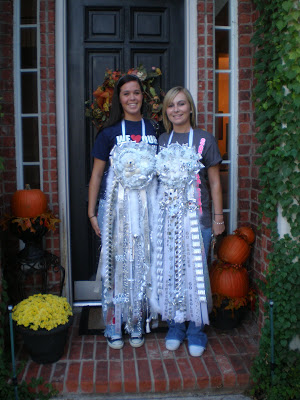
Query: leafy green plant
(277, 102)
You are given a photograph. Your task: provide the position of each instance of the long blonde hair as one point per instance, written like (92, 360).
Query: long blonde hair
(169, 97)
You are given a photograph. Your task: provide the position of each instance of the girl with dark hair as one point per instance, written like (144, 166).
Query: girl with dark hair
(127, 193)
(181, 288)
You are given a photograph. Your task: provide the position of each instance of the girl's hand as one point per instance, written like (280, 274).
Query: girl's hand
(94, 223)
(218, 228)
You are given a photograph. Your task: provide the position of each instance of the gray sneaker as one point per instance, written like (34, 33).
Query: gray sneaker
(115, 342)
(136, 341)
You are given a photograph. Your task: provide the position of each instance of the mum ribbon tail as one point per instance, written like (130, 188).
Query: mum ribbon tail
(148, 319)
(12, 345)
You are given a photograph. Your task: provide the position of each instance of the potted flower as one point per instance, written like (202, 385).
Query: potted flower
(43, 321)
(29, 221)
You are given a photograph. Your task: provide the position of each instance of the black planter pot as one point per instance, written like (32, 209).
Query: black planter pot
(224, 319)
(45, 347)
(33, 249)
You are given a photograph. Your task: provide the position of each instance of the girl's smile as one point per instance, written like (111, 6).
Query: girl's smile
(131, 99)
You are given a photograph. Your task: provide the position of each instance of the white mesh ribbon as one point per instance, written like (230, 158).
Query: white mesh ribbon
(179, 290)
(125, 259)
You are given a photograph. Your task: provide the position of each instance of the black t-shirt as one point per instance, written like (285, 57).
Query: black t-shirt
(109, 137)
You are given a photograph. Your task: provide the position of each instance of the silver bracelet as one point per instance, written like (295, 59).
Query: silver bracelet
(218, 223)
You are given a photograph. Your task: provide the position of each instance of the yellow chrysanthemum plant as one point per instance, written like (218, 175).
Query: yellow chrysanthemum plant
(42, 311)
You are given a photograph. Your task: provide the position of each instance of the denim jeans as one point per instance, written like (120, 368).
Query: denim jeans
(206, 235)
(189, 330)
(193, 333)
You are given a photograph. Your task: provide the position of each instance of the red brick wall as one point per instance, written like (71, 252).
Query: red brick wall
(248, 193)
(7, 139)
(7, 133)
(205, 64)
(248, 183)
(48, 117)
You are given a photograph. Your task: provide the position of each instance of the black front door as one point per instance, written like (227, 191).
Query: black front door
(116, 35)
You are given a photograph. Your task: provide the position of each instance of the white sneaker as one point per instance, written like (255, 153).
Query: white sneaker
(136, 341)
(196, 351)
(172, 344)
(115, 342)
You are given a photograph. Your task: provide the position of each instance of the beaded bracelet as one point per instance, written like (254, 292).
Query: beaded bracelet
(92, 216)
(218, 223)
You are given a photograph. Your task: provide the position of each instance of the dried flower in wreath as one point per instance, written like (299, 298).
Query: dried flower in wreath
(98, 109)
(47, 220)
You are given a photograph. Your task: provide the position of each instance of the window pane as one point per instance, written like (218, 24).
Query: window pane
(28, 48)
(28, 11)
(222, 49)
(222, 93)
(32, 176)
(29, 92)
(221, 134)
(30, 139)
(221, 12)
(224, 175)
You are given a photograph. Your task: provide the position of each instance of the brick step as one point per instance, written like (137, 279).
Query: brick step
(90, 366)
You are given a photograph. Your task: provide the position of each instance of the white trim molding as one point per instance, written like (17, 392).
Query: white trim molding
(62, 140)
(234, 107)
(191, 42)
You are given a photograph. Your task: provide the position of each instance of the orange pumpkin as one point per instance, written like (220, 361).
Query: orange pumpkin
(229, 280)
(28, 203)
(233, 250)
(246, 233)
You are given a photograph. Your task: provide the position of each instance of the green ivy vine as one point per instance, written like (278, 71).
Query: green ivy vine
(277, 105)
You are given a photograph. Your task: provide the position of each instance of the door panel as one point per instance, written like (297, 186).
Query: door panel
(116, 35)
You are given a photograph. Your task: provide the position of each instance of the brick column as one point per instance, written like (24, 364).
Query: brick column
(7, 134)
(48, 116)
(205, 64)
(248, 193)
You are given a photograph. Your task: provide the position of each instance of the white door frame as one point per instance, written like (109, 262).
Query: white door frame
(190, 7)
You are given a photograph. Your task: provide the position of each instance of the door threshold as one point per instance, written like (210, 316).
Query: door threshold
(91, 303)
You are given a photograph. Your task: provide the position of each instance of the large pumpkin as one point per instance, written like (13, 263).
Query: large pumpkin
(229, 280)
(246, 233)
(28, 203)
(233, 250)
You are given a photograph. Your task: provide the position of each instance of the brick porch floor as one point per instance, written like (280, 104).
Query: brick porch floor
(90, 366)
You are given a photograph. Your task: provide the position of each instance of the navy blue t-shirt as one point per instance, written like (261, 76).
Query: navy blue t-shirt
(109, 137)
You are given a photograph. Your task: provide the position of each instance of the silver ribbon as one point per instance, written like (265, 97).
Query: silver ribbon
(180, 257)
(126, 260)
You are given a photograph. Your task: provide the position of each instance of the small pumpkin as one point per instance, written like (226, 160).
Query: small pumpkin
(233, 250)
(246, 233)
(229, 280)
(28, 203)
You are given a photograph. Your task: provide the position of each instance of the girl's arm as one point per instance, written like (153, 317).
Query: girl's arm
(216, 194)
(94, 186)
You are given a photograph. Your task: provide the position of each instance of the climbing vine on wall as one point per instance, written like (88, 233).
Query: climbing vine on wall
(277, 104)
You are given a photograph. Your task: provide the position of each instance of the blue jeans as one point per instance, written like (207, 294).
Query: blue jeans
(206, 236)
(193, 333)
